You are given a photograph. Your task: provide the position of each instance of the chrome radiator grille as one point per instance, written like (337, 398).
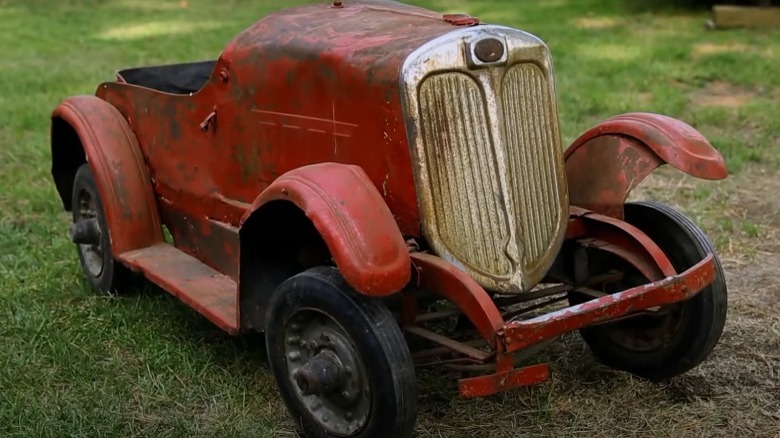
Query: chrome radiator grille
(494, 177)
(532, 151)
(487, 155)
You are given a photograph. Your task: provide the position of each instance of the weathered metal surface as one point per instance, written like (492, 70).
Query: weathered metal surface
(323, 85)
(352, 219)
(207, 291)
(625, 149)
(111, 149)
(441, 277)
(483, 386)
(522, 334)
(291, 90)
(624, 240)
(488, 158)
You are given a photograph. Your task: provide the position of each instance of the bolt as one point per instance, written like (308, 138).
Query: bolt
(295, 326)
(294, 356)
(293, 340)
(316, 405)
(325, 418)
(348, 370)
(303, 343)
(345, 394)
(312, 345)
(348, 415)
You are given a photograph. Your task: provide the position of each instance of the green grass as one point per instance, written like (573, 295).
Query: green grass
(75, 364)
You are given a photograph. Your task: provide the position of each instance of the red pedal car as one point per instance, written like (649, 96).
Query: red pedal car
(378, 187)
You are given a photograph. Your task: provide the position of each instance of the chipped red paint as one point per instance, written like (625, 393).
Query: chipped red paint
(522, 334)
(317, 84)
(483, 386)
(441, 277)
(111, 149)
(625, 149)
(352, 218)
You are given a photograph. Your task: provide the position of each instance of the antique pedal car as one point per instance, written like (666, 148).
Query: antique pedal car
(378, 187)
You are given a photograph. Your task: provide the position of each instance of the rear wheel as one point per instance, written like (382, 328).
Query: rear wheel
(340, 359)
(90, 234)
(676, 337)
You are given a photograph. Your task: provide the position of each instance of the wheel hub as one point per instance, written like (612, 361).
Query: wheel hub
(321, 375)
(86, 232)
(327, 373)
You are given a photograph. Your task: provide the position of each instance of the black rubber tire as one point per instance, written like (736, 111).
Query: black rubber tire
(113, 274)
(704, 316)
(376, 337)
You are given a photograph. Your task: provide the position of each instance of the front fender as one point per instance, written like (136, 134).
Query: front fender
(353, 220)
(605, 163)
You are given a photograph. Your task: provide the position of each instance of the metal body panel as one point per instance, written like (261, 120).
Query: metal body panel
(625, 149)
(320, 84)
(487, 155)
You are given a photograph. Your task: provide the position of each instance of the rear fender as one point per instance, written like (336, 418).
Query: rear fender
(605, 163)
(88, 129)
(353, 220)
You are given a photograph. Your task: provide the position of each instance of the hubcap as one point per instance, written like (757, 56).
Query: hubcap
(326, 372)
(86, 215)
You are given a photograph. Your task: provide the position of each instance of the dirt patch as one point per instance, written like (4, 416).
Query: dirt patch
(722, 94)
(735, 392)
(591, 22)
(704, 49)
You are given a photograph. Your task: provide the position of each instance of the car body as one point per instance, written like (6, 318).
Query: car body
(417, 154)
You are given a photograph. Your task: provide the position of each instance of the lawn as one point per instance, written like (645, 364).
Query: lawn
(76, 364)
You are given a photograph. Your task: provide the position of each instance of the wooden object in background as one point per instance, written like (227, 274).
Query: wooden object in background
(725, 16)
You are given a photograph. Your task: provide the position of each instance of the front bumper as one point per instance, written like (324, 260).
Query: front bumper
(520, 335)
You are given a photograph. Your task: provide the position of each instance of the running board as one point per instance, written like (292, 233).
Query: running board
(210, 293)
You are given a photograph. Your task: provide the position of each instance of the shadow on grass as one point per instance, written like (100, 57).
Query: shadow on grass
(188, 326)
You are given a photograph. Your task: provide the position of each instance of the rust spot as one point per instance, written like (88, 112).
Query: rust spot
(224, 76)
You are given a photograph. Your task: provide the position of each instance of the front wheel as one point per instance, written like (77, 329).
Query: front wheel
(340, 359)
(679, 336)
(90, 234)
